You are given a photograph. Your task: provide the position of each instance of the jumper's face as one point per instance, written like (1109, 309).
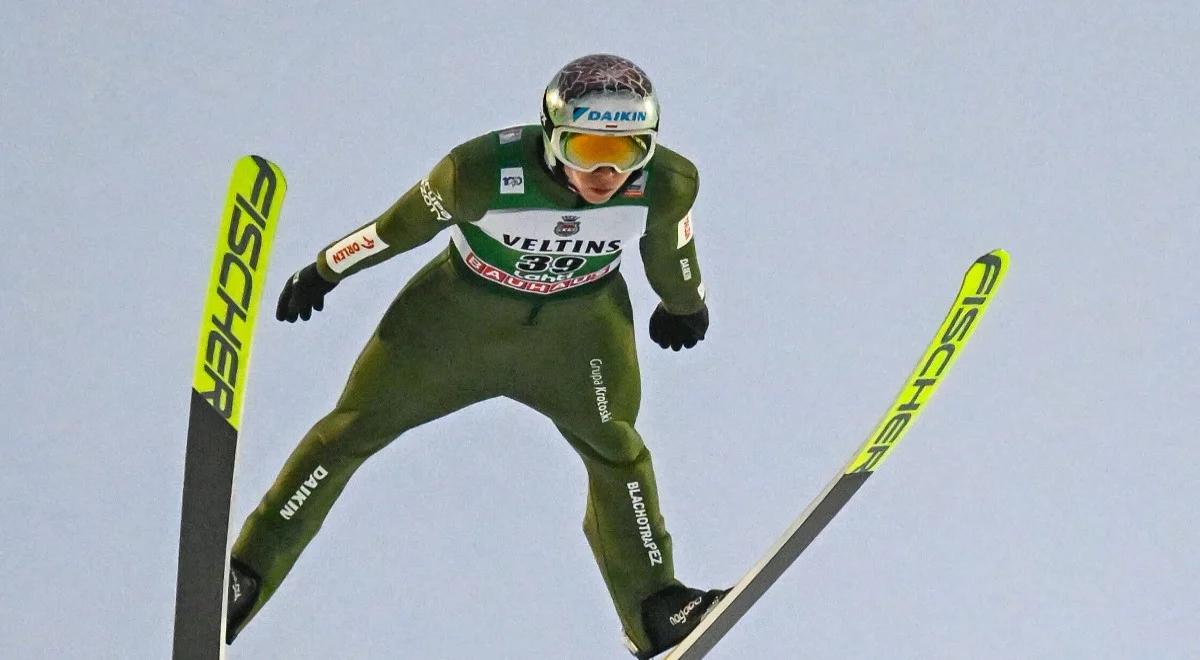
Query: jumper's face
(597, 186)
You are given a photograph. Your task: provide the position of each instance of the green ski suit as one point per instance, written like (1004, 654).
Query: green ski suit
(526, 303)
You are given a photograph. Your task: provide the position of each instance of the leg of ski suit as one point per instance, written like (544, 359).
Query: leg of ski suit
(451, 339)
(586, 380)
(407, 375)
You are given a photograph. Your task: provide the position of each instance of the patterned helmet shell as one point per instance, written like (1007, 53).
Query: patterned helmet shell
(599, 94)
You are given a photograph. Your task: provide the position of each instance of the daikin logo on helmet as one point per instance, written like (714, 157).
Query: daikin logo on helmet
(609, 115)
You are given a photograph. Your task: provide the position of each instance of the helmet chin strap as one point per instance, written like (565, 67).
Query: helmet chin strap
(557, 171)
(548, 156)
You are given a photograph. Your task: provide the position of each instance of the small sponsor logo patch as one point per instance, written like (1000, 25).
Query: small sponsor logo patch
(701, 290)
(685, 230)
(568, 226)
(685, 267)
(512, 180)
(354, 248)
(510, 135)
(637, 188)
(433, 200)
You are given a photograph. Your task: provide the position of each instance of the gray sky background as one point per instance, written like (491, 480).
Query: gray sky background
(854, 161)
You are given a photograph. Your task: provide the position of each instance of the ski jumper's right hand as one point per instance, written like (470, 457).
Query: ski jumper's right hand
(676, 331)
(304, 292)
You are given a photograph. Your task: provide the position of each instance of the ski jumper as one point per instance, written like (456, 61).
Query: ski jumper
(527, 302)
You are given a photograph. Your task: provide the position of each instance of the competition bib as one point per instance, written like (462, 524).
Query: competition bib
(546, 251)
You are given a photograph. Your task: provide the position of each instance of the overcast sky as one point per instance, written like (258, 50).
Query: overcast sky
(853, 163)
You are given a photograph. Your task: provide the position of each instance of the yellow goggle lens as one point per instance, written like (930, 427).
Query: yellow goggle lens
(586, 151)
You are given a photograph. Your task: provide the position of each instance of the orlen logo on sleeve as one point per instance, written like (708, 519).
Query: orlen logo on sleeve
(354, 248)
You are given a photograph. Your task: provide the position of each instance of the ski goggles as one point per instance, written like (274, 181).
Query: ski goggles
(589, 150)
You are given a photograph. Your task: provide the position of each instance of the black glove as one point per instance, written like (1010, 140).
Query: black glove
(676, 331)
(304, 292)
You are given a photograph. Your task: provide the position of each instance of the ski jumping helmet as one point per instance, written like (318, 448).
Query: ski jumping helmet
(599, 110)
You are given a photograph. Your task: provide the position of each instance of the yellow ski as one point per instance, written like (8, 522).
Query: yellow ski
(978, 288)
(235, 287)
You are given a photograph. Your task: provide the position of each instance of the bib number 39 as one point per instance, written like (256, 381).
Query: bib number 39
(540, 263)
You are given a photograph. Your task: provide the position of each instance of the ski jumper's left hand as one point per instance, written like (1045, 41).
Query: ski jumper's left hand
(676, 331)
(304, 292)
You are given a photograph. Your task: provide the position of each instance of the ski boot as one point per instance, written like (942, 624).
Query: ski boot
(670, 615)
(242, 594)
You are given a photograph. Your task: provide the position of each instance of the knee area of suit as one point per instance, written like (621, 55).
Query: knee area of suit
(343, 428)
(627, 455)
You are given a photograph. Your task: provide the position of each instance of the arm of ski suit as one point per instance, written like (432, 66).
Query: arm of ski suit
(439, 200)
(667, 248)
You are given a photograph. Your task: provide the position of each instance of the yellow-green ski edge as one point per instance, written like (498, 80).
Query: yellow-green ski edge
(236, 283)
(979, 286)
